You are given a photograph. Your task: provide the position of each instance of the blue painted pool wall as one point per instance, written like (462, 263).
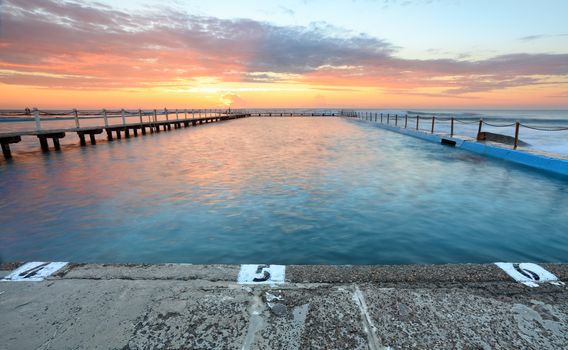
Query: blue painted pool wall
(555, 165)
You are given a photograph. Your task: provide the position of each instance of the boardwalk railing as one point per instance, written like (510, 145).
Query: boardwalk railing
(119, 123)
(144, 121)
(414, 122)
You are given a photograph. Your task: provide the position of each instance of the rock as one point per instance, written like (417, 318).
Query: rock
(279, 309)
(504, 139)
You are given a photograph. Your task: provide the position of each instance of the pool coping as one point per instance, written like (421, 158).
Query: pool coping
(524, 157)
(406, 274)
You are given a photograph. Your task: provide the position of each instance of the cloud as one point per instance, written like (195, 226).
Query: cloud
(233, 100)
(563, 94)
(541, 36)
(62, 44)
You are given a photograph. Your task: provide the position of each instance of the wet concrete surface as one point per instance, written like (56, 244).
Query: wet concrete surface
(319, 307)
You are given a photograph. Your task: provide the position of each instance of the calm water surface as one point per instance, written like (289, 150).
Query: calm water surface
(278, 190)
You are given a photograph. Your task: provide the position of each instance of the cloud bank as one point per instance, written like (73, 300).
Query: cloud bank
(72, 45)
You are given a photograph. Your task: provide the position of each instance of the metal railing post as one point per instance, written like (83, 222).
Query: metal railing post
(140, 115)
(35, 113)
(123, 113)
(388, 118)
(76, 118)
(405, 120)
(517, 126)
(396, 120)
(417, 120)
(105, 117)
(479, 128)
(452, 127)
(433, 119)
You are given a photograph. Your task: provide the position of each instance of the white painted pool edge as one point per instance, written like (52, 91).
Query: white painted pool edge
(555, 165)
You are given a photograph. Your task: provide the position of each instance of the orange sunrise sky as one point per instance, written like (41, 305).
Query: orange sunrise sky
(246, 54)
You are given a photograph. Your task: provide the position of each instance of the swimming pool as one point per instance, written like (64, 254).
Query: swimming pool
(278, 190)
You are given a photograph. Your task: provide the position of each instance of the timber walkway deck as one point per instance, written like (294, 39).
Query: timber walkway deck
(124, 129)
(112, 131)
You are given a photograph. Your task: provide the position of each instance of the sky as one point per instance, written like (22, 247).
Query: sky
(510, 54)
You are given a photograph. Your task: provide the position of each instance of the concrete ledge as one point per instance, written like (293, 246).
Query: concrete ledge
(533, 160)
(407, 274)
(180, 306)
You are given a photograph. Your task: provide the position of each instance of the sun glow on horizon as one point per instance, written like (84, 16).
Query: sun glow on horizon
(64, 54)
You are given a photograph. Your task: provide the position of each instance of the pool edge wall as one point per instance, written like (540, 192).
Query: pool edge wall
(553, 165)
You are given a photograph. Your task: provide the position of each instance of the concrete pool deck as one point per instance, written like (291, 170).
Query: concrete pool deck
(178, 306)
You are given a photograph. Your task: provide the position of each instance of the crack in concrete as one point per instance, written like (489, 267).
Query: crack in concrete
(368, 327)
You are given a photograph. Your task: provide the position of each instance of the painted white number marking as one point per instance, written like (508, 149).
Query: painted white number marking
(34, 271)
(529, 274)
(261, 274)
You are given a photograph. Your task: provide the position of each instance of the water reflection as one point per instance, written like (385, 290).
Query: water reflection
(283, 190)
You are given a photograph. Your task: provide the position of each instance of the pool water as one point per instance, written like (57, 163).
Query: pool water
(278, 190)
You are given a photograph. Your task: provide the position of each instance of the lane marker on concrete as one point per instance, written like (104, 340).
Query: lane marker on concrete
(261, 274)
(529, 274)
(34, 271)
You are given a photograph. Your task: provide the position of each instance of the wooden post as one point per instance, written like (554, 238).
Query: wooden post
(185, 114)
(140, 115)
(433, 119)
(388, 118)
(396, 120)
(417, 120)
(177, 115)
(92, 137)
(517, 125)
(43, 143)
(56, 145)
(452, 127)
(106, 120)
(82, 139)
(6, 151)
(155, 116)
(35, 113)
(381, 118)
(167, 114)
(479, 128)
(405, 120)
(123, 114)
(76, 118)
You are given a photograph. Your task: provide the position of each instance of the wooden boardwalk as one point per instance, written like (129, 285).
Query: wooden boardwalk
(112, 131)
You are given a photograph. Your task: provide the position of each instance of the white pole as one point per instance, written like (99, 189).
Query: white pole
(105, 116)
(76, 118)
(36, 118)
(123, 116)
